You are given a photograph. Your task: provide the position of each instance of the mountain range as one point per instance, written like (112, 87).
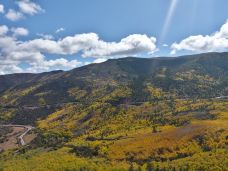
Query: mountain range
(148, 113)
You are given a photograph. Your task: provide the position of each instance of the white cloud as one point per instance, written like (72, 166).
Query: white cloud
(57, 64)
(45, 36)
(3, 30)
(33, 52)
(132, 45)
(60, 30)
(91, 46)
(8, 69)
(165, 45)
(20, 31)
(28, 7)
(216, 42)
(87, 63)
(14, 15)
(99, 60)
(2, 8)
(9, 66)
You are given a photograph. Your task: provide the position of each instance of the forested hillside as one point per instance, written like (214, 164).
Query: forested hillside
(123, 114)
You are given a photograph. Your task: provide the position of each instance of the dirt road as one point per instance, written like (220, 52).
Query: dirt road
(27, 128)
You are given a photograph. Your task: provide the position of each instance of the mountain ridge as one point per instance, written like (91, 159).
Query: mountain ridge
(125, 58)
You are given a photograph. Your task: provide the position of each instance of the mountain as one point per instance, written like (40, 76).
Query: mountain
(131, 112)
(169, 74)
(196, 76)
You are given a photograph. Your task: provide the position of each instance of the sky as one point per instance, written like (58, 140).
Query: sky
(44, 35)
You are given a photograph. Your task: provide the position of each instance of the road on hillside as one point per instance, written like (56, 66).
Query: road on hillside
(27, 128)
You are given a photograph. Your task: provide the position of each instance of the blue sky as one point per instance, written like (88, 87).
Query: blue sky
(144, 28)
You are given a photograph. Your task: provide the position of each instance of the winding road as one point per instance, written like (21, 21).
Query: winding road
(27, 129)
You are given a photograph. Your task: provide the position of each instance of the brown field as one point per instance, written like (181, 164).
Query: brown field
(11, 139)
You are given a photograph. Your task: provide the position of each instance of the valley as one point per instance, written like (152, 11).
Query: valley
(118, 85)
(123, 114)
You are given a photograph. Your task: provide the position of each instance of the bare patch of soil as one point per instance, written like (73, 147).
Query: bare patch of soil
(11, 141)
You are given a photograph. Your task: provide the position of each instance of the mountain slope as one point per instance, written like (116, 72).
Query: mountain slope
(170, 71)
(123, 114)
(197, 76)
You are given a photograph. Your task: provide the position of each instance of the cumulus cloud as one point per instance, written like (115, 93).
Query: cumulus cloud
(8, 66)
(20, 31)
(131, 45)
(3, 30)
(8, 69)
(57, 64)
(34, 52)
(14, 15)
(28, 7)
(25, 7)
(91, 46)
(60, 30)
(216, 42)
(2, 8)
(45, 36)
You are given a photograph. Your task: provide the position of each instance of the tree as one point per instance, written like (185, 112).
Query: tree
(149, 167)
(139, 168)
(155, 128)
(131, 168)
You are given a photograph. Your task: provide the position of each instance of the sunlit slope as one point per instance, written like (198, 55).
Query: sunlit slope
(115, 82)
(191, 135)
(124, 114)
